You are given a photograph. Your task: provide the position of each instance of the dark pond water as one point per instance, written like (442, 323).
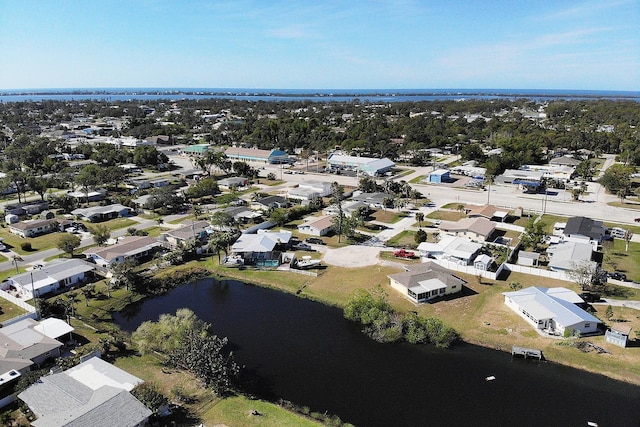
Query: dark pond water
(307, 353)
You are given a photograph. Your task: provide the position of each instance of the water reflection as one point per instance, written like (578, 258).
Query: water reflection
(309, 354)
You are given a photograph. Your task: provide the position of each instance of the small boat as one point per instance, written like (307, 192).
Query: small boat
(592, 424)
(307, 262)
(490, 378)
(233, 261)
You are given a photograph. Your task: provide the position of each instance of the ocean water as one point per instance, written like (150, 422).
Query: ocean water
(318, 95)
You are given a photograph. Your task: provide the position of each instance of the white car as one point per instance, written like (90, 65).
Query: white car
(3, 247)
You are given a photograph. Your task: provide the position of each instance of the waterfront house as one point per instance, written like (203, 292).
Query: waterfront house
(426, 281)
(263, 248)
(93, 393)
(52, 277)
(129, 247)
(552, 310)
(186, 234)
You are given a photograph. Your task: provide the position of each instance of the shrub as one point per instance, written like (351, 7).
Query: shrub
(26, 246)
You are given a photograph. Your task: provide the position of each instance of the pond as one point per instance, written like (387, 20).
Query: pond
(308, 353)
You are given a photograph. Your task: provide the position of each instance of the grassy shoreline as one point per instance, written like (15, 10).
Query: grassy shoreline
(480, 318)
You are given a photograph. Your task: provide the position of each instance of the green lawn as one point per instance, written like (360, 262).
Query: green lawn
(9, 310)
(446, 215)
(405, 239)
(46, 241)
(618, 259)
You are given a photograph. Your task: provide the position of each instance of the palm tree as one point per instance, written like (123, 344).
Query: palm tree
(15, 259)
(420, 218)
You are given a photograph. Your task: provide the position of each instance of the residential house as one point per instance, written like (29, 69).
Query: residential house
(187, 234)
(93, 393)
(264, 248)
(233, 182)
(270, 202)
(243, 214)
(102, 213)
(28, 208)
(567, 256)
(451, 248)
(552, 310)
(581, 229)
(35, 227)
(88, 196)
(317, 226)
(477, 229)
(348, 207)
(564, 161)
(373, 200)
(130, 247)
(489, 212)
(309, 190)
(426, 281)
(28, 342)
(52, 277)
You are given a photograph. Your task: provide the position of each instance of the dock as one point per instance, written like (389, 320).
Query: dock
(526, 352)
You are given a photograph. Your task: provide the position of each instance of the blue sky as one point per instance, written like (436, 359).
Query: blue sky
(321, 44)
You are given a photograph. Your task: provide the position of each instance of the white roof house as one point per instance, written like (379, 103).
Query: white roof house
(457, 249)
(51, 277)
(566, 256)
(260, 242)
(370, 166)
(27, 342)
(93, 393)
(551, 311)
(308, 190)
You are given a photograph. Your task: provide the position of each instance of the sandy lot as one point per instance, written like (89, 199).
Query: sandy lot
(352, 256)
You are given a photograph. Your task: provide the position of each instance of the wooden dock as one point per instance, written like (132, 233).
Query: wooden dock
(526, 352)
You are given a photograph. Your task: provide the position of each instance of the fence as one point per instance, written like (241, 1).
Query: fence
(469, 269)
(30, 310)
(549, 274)
(304, 272)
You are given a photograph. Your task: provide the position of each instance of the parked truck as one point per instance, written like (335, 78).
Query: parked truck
(403, 253)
